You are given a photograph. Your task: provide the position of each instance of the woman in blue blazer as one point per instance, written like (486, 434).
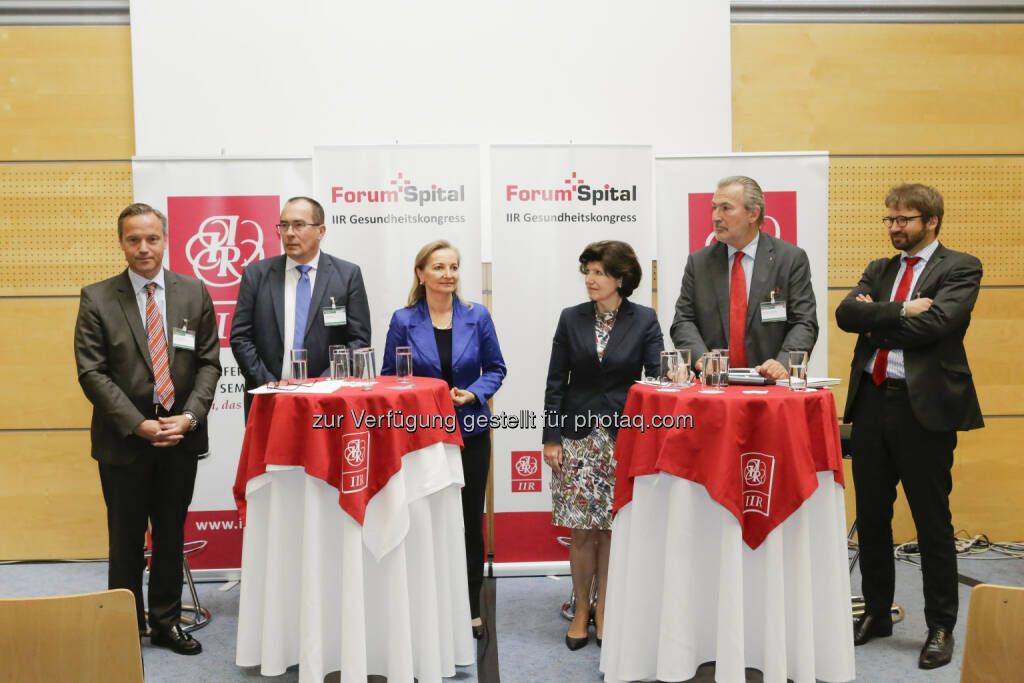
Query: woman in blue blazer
(600, 348)
(456, 342)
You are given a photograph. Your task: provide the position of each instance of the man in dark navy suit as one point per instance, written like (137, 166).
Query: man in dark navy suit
(303, 299)
(910, 392)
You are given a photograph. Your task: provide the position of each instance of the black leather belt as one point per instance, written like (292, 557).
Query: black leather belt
(891, 383)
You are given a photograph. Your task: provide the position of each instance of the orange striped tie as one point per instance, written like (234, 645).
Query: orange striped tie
(158, 350)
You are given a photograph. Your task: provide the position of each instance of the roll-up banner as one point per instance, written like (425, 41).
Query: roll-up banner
(795, 186)
(547, 204)
(383, 203)
(221, 214)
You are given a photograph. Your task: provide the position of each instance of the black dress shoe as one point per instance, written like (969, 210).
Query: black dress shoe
(869, 626)
(937, 650)
(479, 630)
(176, 640)
(576, 643)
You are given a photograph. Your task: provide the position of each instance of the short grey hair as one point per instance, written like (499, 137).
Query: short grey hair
(752, 194)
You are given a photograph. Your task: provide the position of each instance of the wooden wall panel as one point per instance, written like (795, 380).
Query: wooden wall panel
(50, 497)
(993, 350)
(37, 363)
(984, 211)
(987, 476)
(70, 213)
(879, 88)
(66, 93)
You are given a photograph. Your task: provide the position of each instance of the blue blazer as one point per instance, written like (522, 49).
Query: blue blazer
(477, 364)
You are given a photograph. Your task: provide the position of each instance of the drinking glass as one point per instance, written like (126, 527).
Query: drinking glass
(798, 371)
(683, 367)
(339, 362)
(722, 378)
(403, 364)
(364, 368)
(299, 365)
(669, 367)
(709, 373)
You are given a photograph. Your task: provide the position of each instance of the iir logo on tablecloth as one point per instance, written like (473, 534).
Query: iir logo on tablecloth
(355, 462)
(757, 470)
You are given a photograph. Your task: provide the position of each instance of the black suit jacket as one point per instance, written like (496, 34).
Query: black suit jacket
(701, 321)
(579, 384)
(116, 373)
(939, 383)
(257, 330)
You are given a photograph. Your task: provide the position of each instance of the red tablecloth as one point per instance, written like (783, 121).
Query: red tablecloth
(352, 439)
(756, 454)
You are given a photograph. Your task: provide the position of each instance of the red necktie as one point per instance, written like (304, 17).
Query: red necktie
(158, 350)
(737, 314)
(878, 372)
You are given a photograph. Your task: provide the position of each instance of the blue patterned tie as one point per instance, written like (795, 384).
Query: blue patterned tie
(301, 307)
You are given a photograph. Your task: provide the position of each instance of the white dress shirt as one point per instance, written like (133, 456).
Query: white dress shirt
(291, 283)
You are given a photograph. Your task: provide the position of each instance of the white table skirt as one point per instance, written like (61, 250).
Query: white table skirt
(314, 593)
(684, 589)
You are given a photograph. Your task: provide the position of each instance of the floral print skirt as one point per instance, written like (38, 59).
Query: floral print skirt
(581, 497)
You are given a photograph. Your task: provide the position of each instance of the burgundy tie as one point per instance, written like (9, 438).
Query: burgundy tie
(158, 350)
(878, 372)
(737, 314)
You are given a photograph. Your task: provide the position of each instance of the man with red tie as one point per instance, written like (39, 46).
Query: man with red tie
(148, 360)
(910, 392)
(748, 292)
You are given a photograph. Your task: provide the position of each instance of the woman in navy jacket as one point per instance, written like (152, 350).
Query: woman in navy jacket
(599, 350)
(456, 342)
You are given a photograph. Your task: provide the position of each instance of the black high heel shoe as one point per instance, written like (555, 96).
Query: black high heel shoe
(479, 630)
(576, 643)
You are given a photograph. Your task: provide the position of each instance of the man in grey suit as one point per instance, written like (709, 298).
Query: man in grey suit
(749, 292)
(150, 400)
(910, 392)
(303, 299)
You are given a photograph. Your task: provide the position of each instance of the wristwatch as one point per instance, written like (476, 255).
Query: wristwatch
(903, 310)
(193, 421)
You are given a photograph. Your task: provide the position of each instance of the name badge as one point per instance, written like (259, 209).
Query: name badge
(334, 316)
(773, 312)
(183, 339)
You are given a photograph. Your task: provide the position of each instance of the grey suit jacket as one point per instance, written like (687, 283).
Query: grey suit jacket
(701, 321)
(939, 381)
(116, 373)
(257, 330)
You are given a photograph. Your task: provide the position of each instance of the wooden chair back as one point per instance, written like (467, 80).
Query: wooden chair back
(87, 638)
(994, 645)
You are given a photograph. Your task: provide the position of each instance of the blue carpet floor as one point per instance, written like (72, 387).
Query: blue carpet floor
(530, 631)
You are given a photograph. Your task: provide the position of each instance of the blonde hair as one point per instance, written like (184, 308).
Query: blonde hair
(418, 291)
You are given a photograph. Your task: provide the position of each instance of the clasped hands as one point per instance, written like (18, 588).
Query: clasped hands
(163, 431)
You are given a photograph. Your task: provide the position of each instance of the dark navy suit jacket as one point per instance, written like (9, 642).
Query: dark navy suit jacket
(580, 384)
(477, 364)
(257, 330)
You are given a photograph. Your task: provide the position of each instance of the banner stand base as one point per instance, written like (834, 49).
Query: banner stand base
(510, 569)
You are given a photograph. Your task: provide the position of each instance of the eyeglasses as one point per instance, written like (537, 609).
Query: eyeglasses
(298, 227)
(898, 220)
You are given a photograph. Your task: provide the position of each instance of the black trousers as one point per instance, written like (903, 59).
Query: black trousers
(890, 445)
(476, 463)
(155, 489)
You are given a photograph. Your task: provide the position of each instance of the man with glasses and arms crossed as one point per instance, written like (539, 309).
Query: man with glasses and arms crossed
(303, 299)
(910, 392)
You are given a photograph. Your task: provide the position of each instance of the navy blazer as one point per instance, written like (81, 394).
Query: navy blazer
(257, 330)
(477, 364)
(581, 385)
